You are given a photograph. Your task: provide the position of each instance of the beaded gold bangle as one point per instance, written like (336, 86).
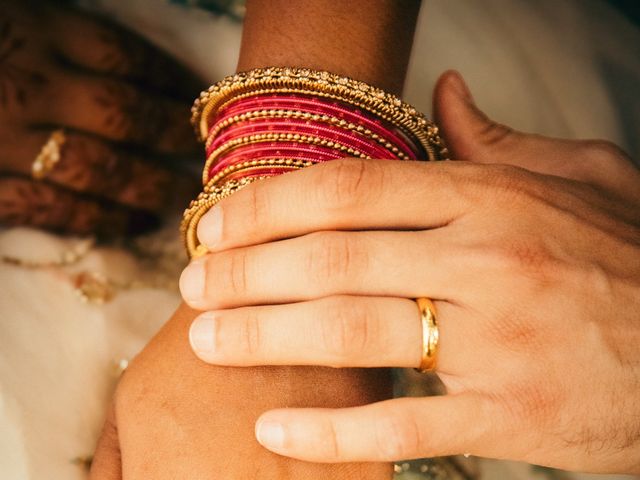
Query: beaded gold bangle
(321, 84)
(249, 165)
(276, 137)
(200, 206)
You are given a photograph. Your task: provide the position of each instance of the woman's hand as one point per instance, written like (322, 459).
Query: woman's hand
(120, 103)
(175, 417)
(535, 277)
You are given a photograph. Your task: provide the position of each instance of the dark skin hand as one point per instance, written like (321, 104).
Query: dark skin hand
(173, 415)
(124, 109)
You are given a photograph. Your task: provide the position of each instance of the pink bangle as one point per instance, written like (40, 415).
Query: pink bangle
(274, 120)
(312, 106)
(301, 127)
(308, 122)
(275, 150)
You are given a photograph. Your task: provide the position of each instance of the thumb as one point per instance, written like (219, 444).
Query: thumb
(470, 134)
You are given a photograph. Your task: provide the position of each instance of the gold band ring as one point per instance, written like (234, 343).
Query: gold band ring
(49, 155)
(429, 334)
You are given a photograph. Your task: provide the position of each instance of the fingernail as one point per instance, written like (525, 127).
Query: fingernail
(461, 86)
(270, 434)
(202, 333)
(210, 227)
(192, 281)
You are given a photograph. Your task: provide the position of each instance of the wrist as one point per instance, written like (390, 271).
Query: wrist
(170, 397)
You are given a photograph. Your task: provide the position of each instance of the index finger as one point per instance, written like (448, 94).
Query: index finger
(348, 194)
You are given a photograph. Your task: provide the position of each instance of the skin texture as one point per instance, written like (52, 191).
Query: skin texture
(217, 435)
(532, 258)
(124, 107)
(370, 44)
(177, 417)
(503, 401)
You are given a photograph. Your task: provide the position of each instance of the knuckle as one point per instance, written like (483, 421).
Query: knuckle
(513, 331)
(529, 257)
(115, 55)
(398, 437)
(506, 183)
(236, 272)
(257, 204)
(88, 165)
(604, 150)
(531, 402)
(526, 262)
(348, 327)
(345, 183)
(335, 256)
(606, 158)
(334, 446)
(250, 339)
(494, 133)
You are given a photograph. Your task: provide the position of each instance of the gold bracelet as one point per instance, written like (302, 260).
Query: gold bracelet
(201, 205)
(276, 137)
(247, 166)
(324, 84)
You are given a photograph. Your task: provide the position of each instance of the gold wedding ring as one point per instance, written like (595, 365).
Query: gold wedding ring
(429, 334)
(49, 155)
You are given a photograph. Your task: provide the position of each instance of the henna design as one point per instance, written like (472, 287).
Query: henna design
(131, 115)
(25, 202)
(14, 79)
(125, 54)
(115, 59)
(96, 168)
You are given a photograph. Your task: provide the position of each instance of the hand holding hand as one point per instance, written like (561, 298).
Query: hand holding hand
(530, 250)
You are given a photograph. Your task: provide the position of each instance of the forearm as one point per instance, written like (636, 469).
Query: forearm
(178, 417)
(201, 418)
(369, 41)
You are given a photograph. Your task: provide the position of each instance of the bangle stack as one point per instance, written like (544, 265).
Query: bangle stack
(274, 120)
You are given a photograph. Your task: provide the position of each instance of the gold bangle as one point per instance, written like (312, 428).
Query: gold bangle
(275, 137)
(218, 188)
(201, 205)
(324, 84)
(249, 165)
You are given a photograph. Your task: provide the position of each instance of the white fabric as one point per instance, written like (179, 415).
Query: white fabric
(543, 66)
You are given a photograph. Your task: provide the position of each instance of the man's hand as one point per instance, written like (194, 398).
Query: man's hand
(531, 251)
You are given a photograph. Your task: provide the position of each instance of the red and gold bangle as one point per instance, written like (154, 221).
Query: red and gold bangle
(276, 120)
(274, 80)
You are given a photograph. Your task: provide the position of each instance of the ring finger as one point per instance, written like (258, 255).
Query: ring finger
(337, 331)
(90, 165)
(118, 111)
